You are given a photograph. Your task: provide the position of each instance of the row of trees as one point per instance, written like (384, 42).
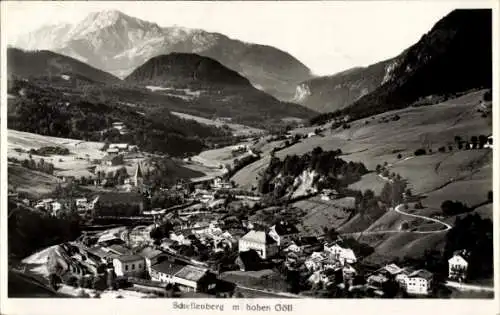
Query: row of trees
(41, 166)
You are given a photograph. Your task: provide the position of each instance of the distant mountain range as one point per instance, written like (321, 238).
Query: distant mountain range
(454, 56)
(44, 63)
(118, 43)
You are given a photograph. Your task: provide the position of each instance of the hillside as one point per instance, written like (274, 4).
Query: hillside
(453, 57)
(51, 112)
(334, 92)
(456, 174)
(201, 86)
(55, 67)
(32, 183)
(117, 43)
(180, 69)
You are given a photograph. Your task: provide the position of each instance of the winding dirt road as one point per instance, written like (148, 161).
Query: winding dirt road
(398, 210)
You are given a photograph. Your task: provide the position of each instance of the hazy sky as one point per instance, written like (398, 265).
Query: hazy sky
(326, 36)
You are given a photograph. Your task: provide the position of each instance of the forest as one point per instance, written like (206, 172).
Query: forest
(50, 112)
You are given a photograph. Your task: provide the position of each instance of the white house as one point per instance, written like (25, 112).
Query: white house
(489, 143)
(457, 267)
(129, 265)
(151, 256)
(315, 261)
(259, 241)
(344, 255)
(165, 271)
(55, 207)
(419, 282)
(122, 147)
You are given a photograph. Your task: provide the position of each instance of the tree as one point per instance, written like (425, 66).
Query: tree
(482, 141)
(420, 151)
(54, 281)
(490, 196)
(399, 156)
(474, 141)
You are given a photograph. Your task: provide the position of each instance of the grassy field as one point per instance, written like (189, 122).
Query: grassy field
(34, 184)
(375, 143)
(323, 213)
(369, 181)
(74, 164)
(237, 129)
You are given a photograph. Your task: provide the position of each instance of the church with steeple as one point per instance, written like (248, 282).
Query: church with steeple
(138, 178)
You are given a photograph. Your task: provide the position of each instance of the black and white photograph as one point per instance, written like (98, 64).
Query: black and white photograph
(248, 150)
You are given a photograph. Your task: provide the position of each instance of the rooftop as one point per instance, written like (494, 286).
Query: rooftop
(191, 273)
(258, 237)
(129, 258)
(422, 273)
(167, 267)
(283, 228)
(119, 249)
(149, 252)
(392, 269)
(119, 197)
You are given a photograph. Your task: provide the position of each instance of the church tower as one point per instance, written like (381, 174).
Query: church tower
(138, 177)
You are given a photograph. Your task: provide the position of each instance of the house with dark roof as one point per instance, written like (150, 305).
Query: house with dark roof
(151, 256)
(259, 241)
(165, 271)
(195, 279)
(112, 159)
(283, 232)
(129, 266)
(119, 204)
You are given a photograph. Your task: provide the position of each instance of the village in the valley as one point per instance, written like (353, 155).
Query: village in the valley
(205, 245)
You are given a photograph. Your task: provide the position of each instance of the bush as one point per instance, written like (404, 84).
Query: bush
(490, 196)
(442, 149)
(487, 96)
(453, 207)
(399, 156)
(419, 206)
(420, 151)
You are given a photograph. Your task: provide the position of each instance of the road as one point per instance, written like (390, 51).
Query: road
(469, 287)
(269, 292)
(398, 210)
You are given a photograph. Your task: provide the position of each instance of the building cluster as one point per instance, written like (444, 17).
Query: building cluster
(143, 265)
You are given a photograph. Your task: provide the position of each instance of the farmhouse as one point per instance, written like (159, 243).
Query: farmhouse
(151, 256)
(165, 271)
(457, 266)
(419, 282)
(196, 279)
(283, 232)
(129, 266)
(112, 159)
(259, 241)
(122, 147)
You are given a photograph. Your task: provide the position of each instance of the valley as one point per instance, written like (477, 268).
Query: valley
(175, 162)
